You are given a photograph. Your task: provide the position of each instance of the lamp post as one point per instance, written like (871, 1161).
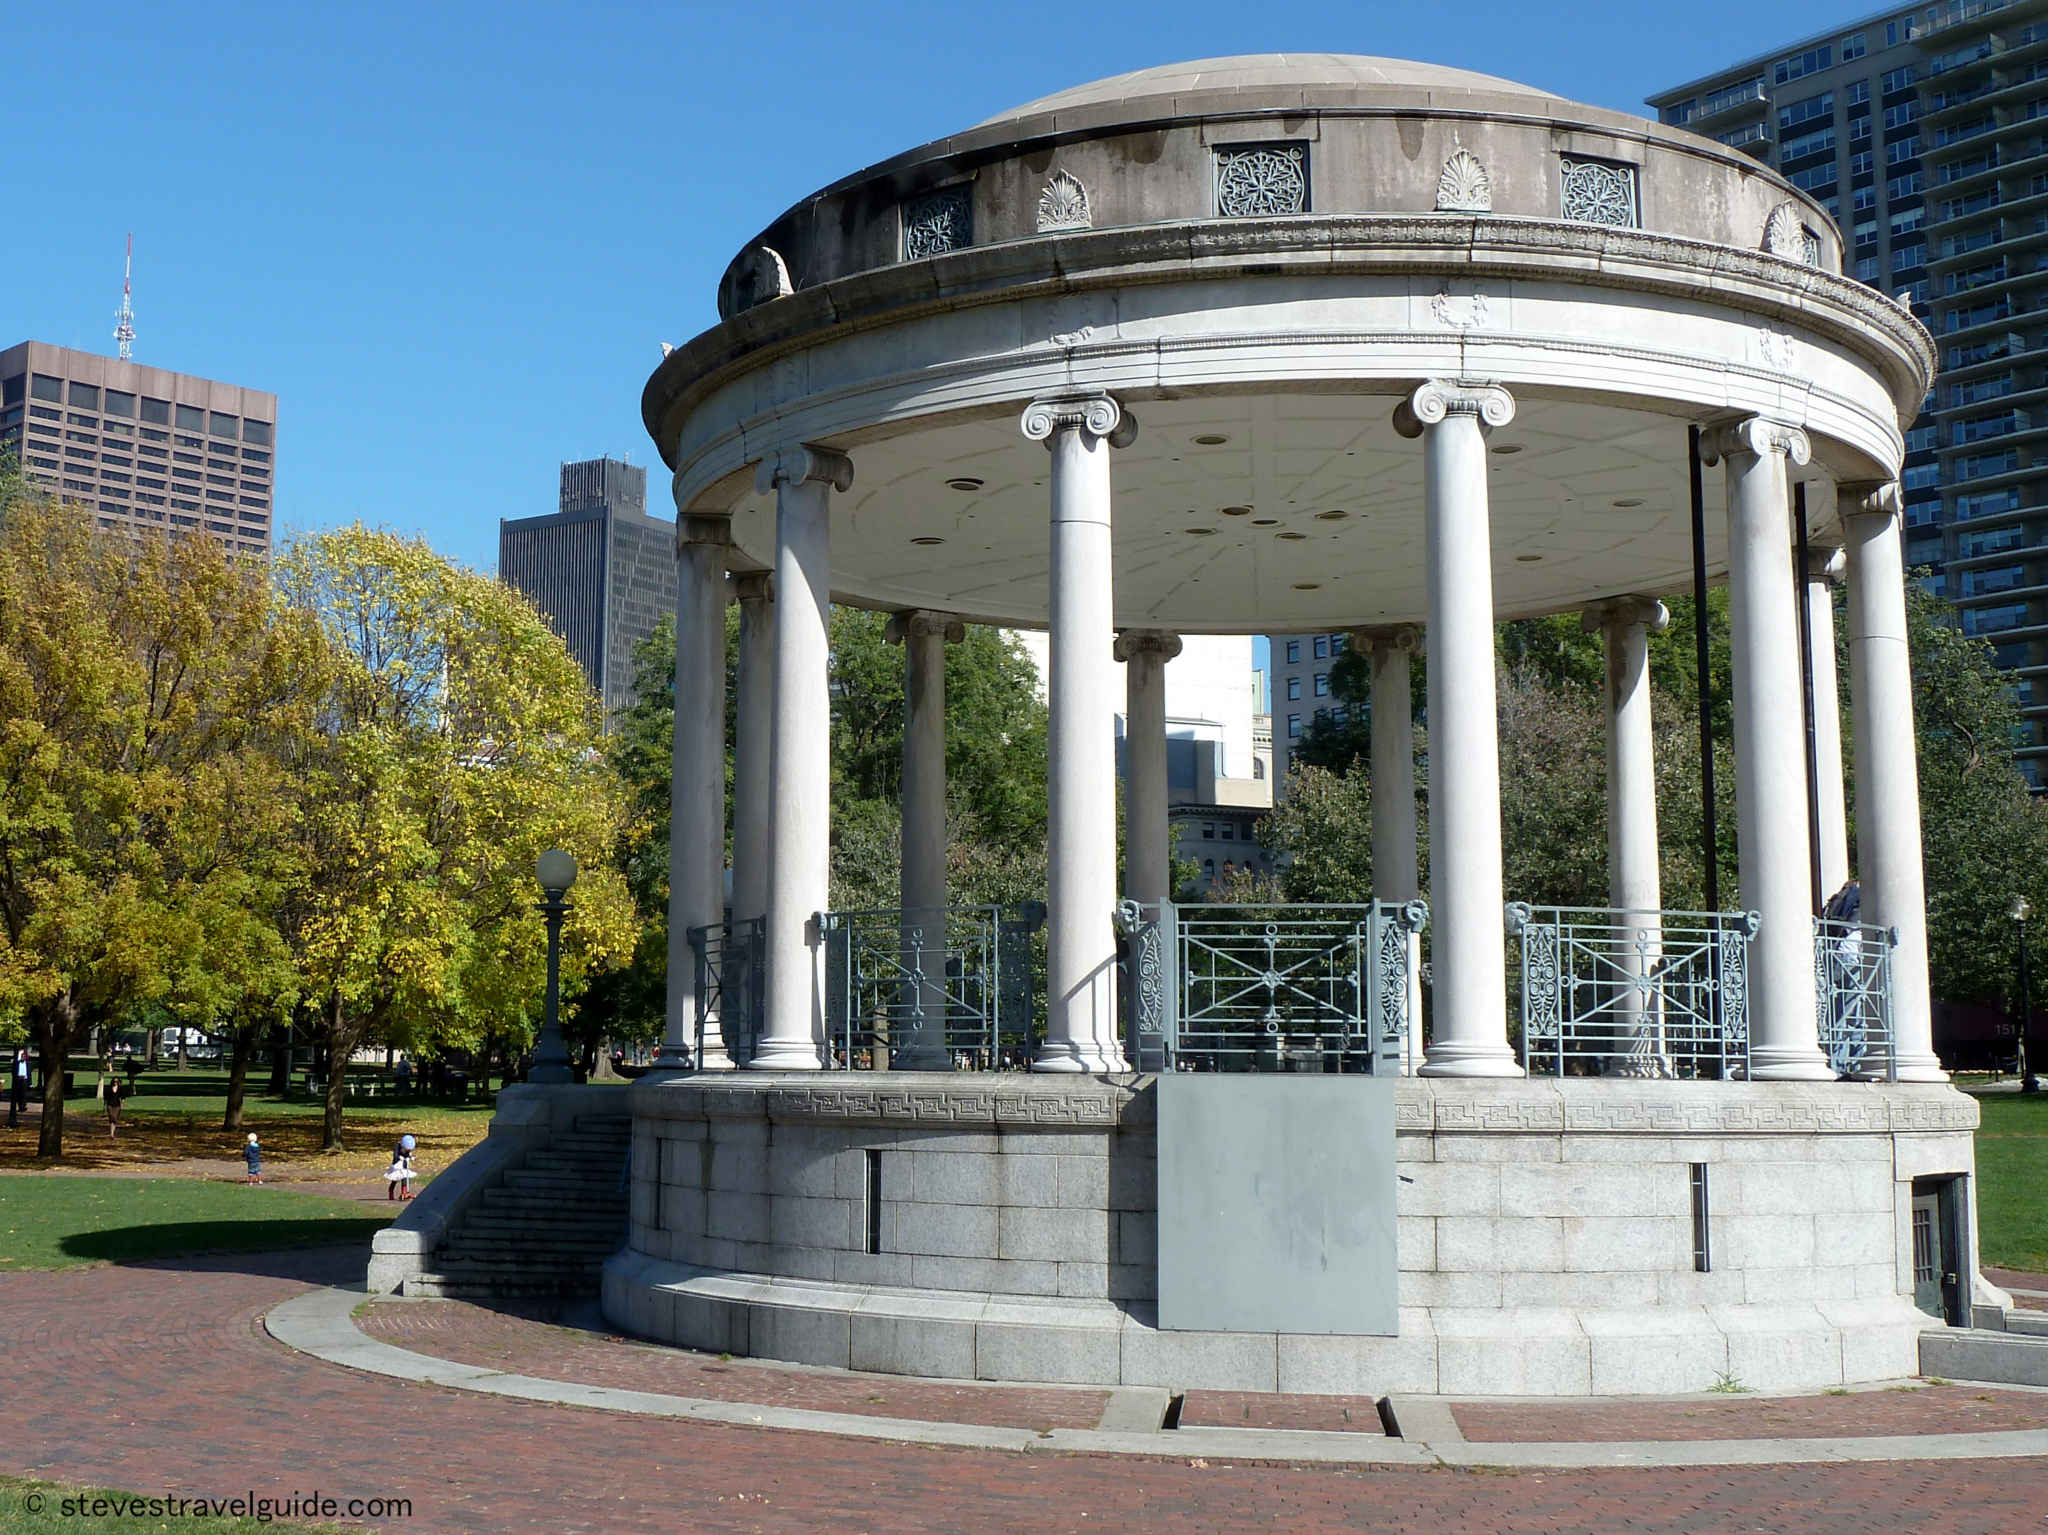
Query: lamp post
(2019, 911)
(556, 871)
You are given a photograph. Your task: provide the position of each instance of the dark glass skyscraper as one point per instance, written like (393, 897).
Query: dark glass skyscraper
(600, 568)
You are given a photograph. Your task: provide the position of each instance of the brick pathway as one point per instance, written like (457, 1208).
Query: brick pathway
(527, 1345)
(158, 1379)
(1904, 1410)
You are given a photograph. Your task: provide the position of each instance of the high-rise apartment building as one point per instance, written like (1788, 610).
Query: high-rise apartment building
(144, 447)
(1925, 133)
(1299, 668)
(599, 567)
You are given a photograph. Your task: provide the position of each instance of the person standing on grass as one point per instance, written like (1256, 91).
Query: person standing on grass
(113, 1092)
(17, 1086)
(252, 1153)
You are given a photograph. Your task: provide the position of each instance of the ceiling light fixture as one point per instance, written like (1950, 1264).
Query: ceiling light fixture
(1265, 522)
(1506, 448)
(1290, 536)
(1332, 516)
(964, 482)
(1200, 532)
(1308, 586)
(1527, 559)
(928, 540)
(1628, 501)
(1237, 511)
(1211, 440)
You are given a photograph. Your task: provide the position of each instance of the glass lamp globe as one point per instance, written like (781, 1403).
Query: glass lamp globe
(556, 871)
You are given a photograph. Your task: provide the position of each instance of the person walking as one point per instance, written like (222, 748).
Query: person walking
(252, 1153)
(112, 1092)
(17, 1086)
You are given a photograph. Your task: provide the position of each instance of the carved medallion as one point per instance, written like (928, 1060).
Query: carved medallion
(1064, 204)
(1786, 235)
(938, 222)
(1464, 187)
(1459, 312)
(1261, 180)
(1599, 192)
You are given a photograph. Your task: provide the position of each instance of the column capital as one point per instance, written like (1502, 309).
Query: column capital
(1093, 412)
(1442, 397)
(753, 586)
(1375, 637)
(1160, 642)
(801, 464)
(1624, 613)
(1755, 436)
(922, 623)
(704, 528)
(1869, 498)
(1825, 564)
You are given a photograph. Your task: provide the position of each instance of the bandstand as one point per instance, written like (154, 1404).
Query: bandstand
(1298, 343)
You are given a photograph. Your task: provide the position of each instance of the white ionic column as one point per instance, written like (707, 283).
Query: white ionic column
(1634, 883)
(800, 754)
(1823, 572)
(918, 1042)
(1080, 1028)
(1148, 845)
(1394, 868)
(1887, 769)
(753, 729)
(696, 828)
(1468, 939)
(1770, 746)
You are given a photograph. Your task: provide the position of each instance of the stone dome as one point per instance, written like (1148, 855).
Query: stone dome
(1264, 76)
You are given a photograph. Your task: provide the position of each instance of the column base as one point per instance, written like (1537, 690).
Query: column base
(1077, 1058)
(1470, 1060)
(715, 1058)
(1920, 1068)
(551, 1076)
(1789, 1065)
(776, 1056)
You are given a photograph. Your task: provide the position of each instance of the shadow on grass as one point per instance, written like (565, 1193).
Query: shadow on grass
(321, 1251)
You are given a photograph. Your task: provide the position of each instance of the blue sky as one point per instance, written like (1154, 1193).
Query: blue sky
(451, 236)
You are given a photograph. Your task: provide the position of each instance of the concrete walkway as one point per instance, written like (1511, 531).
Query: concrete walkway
(165, 1378)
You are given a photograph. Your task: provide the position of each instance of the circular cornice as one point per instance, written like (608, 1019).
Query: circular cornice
(1451, 246)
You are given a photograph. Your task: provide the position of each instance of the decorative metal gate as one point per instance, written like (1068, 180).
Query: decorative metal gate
(731, 985)
(1633, 993)
(1852, 985)
(932, 991)
(1269, 987)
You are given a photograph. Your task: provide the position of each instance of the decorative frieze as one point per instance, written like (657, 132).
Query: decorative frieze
(1261, 180)
(1598, 192)
(938, 222)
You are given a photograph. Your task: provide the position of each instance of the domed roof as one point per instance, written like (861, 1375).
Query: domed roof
(1262, 74)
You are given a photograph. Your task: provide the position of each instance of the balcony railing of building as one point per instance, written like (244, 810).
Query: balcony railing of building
(1316, 988)
(1852, 975)
(937, 990)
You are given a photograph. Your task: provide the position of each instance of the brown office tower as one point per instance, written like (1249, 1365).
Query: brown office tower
(144, 447)
(600, 568)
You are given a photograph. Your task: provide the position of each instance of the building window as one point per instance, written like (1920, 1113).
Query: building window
(256, 431)
(1897, 79)
(158, 411)
(191, 418)
(1854, 46)
(1293, 726)
(43, 387)
(120, 403)
(1261, 180)
(223, 425)
(1322, 684)
(1293, 651)
(1293, 688)
(248, 435)
(87, 395)
(1322, 647)
(1799, 65)
(1208, 831)
(1599, 192)
(1227, 831)
(1805, 110)
(1857, 92)
(938, 222)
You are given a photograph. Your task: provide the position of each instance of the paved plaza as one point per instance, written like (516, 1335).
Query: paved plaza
(186, 1391)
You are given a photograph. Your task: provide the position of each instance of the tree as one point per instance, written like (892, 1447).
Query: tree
(457, 740)
(133, 677)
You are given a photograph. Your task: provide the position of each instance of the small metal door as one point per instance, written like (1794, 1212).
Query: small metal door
(1927, 1255)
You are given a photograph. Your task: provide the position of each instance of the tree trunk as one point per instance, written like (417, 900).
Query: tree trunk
(337, 1073)
(54, 1025)
(156, 1039)
(183, 1035)
(243, 1049)
(280, 1059)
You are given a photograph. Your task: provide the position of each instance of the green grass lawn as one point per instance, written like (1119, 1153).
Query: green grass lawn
(2012, 1181)
(53, 1508)
(59, 1222)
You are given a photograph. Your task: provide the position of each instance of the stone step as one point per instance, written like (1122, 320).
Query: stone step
(548, 1200)
(542, 1237)
(588, 1145)
(457, 1287)
(1976, 1353)
(549, 1178)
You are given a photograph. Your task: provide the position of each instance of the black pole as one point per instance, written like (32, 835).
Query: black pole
(2031, 1081)
(1820, 896)
(1710, 832)
(551, 1055)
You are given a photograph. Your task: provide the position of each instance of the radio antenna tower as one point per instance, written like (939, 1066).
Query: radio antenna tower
(124, 322)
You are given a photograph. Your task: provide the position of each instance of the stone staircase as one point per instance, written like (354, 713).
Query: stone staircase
(546, 1226)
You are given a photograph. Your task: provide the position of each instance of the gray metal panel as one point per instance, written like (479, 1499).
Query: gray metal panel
(1276, 1204)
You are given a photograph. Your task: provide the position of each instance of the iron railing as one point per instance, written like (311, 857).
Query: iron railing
(731, 985)
(932, 991)
(1633, 993)
(1269, 987)
(1852, 983)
